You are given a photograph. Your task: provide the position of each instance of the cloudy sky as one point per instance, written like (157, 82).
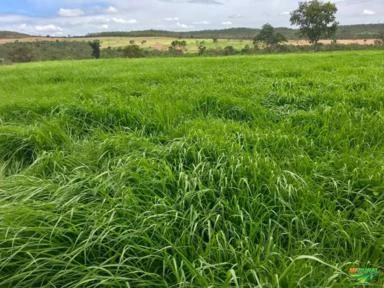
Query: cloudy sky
(77, 17)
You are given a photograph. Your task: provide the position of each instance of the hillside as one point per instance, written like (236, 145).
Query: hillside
(12, 35)
(344, 32)
(369, 31)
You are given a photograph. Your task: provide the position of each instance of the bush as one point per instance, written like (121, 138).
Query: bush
(246, 50)
(229, 50)
(175, 51)
(133, 51)
(202, 49)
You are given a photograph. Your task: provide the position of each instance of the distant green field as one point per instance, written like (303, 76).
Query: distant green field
(163, 43)
(152, 43)
(262, 171)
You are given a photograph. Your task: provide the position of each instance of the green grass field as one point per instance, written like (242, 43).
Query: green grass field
(262, 171)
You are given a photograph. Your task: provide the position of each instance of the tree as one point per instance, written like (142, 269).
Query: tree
(202, 49)
(269, 36)
(95, 45)
(229, 50)
(181, 45)
(315, 20)
(177, 47)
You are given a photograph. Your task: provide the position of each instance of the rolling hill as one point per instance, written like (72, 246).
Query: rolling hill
(12, 35)
(362, 31)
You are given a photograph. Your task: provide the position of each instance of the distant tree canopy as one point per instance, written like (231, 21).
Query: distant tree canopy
(269, 36)
(179, 44)
(315, 20)
(177, 47)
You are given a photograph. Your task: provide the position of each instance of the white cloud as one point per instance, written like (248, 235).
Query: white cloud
(112, 10)
(48, 28)
(235, 16)
(70, 12)
(79, 17)
(368, 12)
(203, 22)
(170, 19)
(105, 26)
(183, 26)
(124, 21)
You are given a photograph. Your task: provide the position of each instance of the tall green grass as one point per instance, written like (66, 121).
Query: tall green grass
(228, 172)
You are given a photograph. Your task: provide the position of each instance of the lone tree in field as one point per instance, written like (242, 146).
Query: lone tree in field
(315, 20)
(269, 36)
(95, 45)
(181, 45)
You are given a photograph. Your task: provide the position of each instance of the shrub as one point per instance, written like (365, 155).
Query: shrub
(202, 49)
(229, 50)
(133, 51)
(246, 50)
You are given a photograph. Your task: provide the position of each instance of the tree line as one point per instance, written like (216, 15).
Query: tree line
(360, 31)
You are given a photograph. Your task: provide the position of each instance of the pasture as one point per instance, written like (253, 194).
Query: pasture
(163, 43)
(244, 171)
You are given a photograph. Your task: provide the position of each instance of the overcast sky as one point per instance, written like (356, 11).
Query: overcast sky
(78, 17)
